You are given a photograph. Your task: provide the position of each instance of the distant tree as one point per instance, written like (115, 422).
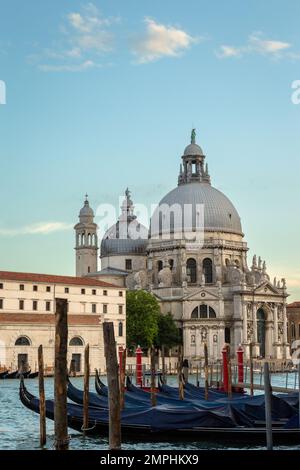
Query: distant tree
(142, 319)
(168, 333)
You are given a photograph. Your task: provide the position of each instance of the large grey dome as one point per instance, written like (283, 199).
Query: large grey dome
(219, 212)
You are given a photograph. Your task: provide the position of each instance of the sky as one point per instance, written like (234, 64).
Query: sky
(103, 95)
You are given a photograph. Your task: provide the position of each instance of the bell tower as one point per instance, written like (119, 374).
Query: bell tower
(86, 241)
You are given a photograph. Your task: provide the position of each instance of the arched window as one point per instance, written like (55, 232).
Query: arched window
(82, 239)
(195, 313)
(191, 270)
(203, 311)
(120, 328)
(89, 239)
(207, 270)
(23, 341)
(193, 339)
(293, 331)
(76, 341)
(159, 265)
(211, 313)
(171, 263)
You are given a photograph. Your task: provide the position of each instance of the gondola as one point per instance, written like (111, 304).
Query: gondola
(3, 374)
(33, 375)
(12, 375)
(159, 423)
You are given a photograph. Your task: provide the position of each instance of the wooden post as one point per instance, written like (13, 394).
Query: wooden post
(163, 364)
(229, 372)
(197, 376)
(61, 375)
(153, 394)
(42, 397)
(179, 373)
(122, 379)
(113, 386)
(86, 388)
(251, 369)
(268, 409)
(206, 370)
(299, 392)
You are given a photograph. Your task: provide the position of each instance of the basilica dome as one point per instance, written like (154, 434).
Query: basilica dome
(193, 197)
(220, 214)
(127, 235)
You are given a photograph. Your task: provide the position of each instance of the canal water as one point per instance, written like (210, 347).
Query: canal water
(19, 427)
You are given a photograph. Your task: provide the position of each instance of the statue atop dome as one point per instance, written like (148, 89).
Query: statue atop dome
(193, 136)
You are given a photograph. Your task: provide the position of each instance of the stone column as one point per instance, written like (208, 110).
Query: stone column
(286, 346)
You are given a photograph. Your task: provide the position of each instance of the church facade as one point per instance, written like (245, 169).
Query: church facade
(211, 291)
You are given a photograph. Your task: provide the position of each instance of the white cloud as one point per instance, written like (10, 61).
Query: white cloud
(161, 41)
(85, 36)
(88, 64)
(41, 228)
(255, 44)
(228, 51)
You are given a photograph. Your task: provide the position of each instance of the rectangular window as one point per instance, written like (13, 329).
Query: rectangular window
(35, 288)
(128, 264)
(104, 308)
(94, 308)
(21, 304)
(105, 292)
(1, 285)
(21, 286)
(120, 293)
(48, 306)
(34, 305)
(48, 289)
(83, 291)
(1, 304)
(66, 290)
(94, 292)
(120, 308)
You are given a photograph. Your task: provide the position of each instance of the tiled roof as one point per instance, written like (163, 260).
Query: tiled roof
(52, 279)
(294, 305)
(47, 319)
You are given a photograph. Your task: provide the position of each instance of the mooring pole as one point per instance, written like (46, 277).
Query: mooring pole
(113, 386)
(179, 372)
(229, 372)
(86, 388)
(138, 367)
(268, 408)
(206, 370)
(163, 363)
(197, 376)
(42, 397)
(153, 394)
(299, 393)
(60, 375)
(225, 367)
(122, 378)
(251, 370)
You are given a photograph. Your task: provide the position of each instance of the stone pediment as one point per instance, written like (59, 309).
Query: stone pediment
(201, 295)
(267, 289)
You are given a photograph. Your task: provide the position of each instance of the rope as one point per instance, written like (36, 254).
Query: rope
(88, 429)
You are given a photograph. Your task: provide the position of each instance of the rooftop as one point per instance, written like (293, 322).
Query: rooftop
(53, 279)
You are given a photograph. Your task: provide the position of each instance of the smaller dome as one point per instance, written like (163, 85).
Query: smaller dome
(192, 149)
(86, 214)
(86, 211)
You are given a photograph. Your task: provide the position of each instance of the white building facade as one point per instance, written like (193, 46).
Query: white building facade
(27, 318)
